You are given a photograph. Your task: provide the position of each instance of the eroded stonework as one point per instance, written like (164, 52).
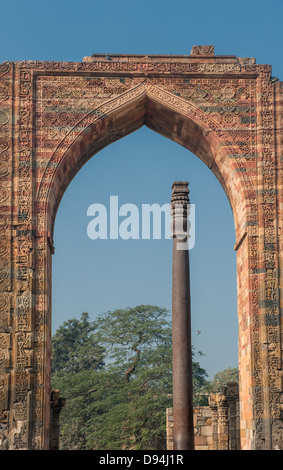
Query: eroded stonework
(53, 117)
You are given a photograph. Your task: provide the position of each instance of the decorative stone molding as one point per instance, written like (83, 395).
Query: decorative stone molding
(202, 50)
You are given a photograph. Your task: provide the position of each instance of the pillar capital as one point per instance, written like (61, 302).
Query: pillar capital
(179, 210)
(180, 192)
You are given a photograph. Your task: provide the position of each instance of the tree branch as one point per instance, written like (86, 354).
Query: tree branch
(135, 359)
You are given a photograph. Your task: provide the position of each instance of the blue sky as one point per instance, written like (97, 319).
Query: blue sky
(97, 276)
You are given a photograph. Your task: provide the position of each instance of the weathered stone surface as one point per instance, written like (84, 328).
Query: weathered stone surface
(53, 117)
(217, 426)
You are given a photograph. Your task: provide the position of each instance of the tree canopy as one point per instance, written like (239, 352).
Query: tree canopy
(116, 376)
(223, 378)
(74, 347)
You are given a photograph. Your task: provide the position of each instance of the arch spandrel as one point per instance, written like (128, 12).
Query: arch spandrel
(173, 117)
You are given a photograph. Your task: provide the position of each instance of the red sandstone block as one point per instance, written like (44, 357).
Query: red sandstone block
(200, 441)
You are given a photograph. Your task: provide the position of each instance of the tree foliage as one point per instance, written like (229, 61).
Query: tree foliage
(116, 374)
(75, 348)
(222, 378)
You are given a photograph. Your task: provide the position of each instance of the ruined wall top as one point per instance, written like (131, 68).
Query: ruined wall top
(198, 53)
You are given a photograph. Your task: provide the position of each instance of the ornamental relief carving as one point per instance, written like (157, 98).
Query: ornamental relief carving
(55, 103)
(5, 243)
(64, 101)
(61, 121)
(144, 65)
(227, 107)
(230, 103)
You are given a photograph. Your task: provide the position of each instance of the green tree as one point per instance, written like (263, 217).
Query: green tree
(75, 348)
(123, 405)
(222, 378)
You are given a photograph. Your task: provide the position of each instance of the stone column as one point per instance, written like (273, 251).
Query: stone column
(183, 429)
(214, 419)
(232, 396)
(223, 424)
(56, 405)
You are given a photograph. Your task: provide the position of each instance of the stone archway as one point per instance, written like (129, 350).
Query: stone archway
(53, 117)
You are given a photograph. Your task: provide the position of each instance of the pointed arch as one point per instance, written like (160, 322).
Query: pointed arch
(184, 123)
(55, 115)
(163, 112)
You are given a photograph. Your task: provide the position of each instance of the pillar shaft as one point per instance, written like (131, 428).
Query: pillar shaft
(183, 430)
